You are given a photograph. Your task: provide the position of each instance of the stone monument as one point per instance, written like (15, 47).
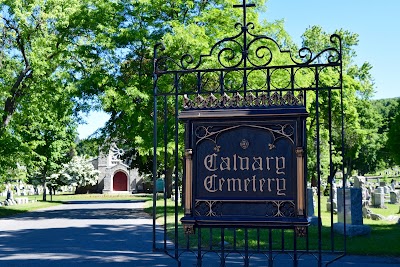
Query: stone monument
(332, 200)
(310, 207)
(350, 216)
(394, 197)
(379, 198)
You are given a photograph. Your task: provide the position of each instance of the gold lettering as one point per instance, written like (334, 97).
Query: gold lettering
(209, 183)
(244, 163)
(257, 164)
(225, 164)
(267, 163)
(269, 183)
(232, 184)
(246, 184)
(221, 183)
(281, 166)
(254, 184)
(234, 163)
(262, 183)
(210, 162)
(279, 188)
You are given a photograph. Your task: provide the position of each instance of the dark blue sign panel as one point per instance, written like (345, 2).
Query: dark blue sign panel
(245, 171)
(252, 161)
(237, 162)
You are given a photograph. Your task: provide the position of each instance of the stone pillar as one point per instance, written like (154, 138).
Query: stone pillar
(350, 217)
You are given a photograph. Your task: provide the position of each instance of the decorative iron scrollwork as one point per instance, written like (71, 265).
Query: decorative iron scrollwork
(238, 101)
(208, 208)
(188, 229)
(280, 209)
(257, 50)
(273, 208)
(301, 231)
(277, 131)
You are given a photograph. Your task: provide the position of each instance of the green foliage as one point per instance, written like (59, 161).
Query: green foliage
(53, 58)
(357, 87)
(88, 147)
(62, 57)
(393, 141)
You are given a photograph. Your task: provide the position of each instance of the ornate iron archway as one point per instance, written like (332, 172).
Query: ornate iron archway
(240, 75)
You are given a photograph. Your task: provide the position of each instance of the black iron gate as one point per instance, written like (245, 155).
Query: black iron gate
(253, 72)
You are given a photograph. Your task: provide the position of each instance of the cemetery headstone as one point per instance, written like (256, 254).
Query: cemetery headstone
(359, 181)
(387, 189)
(10, 194)
(379, 198)
(366, 197)
(310, 207)
(394, 197)
(350, 215)
(393, 184)
(332, 200)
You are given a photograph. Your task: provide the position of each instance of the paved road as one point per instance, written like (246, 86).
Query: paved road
(91, 233)
(107, 233)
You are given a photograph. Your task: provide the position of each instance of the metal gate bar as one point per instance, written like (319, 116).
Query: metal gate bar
(169, 101)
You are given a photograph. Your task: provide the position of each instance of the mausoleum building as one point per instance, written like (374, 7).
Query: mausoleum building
(115, 175)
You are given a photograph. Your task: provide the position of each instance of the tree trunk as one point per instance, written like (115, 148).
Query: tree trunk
(44, 191)
(16, 92)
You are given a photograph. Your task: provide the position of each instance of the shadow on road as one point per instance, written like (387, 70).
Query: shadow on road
(85, 233)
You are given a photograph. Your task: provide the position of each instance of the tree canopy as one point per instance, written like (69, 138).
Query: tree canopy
(59, 58)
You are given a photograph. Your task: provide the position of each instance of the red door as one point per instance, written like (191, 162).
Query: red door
(120, 182)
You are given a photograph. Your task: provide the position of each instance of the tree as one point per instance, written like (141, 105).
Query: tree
(89, 147)
(393, 141)
(357, 85)
(48, 130)
(184, 26)
(79, 172)
(49, 48)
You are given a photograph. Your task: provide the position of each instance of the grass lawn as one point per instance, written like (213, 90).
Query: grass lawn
(59, 199)
(17, 209)
(383, 240)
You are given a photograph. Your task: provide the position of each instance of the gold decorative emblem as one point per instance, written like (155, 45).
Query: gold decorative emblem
(244, 144)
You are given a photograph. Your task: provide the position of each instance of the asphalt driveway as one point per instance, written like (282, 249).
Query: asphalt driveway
(82, 233)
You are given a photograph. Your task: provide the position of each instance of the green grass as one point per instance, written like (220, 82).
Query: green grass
(383, 240)
(59, 199)
(17, 209)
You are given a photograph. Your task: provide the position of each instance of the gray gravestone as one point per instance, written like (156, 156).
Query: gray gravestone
(387, 189)
(366, 197)
(379, 198)
(394, 197)
(310, 207)
(359, 181)
(350, 215)
(332, 200)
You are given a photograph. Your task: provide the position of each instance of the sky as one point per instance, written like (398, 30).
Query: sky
(376, 22)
